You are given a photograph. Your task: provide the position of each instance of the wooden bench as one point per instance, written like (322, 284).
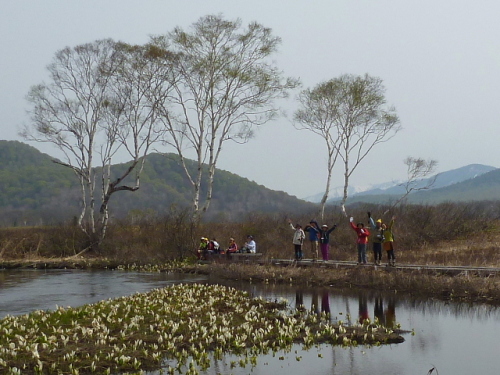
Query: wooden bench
(233, 257)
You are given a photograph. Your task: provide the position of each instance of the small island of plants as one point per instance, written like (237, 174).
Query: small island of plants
(187, 324)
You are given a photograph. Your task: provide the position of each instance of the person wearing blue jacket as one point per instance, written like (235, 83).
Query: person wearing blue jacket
(313, 231)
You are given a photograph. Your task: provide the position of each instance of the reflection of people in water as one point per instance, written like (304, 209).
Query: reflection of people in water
(390, 313)
(325, 302)
(315, 302)
(363, 309)
(378, 310)
(299, 299)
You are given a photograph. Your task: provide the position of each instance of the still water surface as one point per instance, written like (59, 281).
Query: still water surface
(454, 338)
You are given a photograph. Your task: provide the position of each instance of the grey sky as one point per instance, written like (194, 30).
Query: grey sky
(439, 60)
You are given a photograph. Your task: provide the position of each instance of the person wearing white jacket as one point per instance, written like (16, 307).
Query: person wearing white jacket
(298, 240)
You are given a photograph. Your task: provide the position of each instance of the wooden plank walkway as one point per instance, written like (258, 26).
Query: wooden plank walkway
(448, 270)
(428, 269)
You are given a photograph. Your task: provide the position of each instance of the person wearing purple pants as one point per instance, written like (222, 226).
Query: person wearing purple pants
(324, 239)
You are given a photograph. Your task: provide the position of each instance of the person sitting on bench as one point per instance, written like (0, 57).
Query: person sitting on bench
(233, 247)
(250, 246)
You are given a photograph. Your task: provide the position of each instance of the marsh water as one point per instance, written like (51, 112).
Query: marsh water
(452, 337)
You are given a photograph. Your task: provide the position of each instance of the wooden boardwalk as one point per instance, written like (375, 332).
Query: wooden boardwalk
(447, 270)
(427, 269)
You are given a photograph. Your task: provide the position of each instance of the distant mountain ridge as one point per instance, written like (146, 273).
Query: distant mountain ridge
(440, 180)
(34, 190)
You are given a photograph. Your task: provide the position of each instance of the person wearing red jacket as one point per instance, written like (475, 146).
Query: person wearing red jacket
(362, 240)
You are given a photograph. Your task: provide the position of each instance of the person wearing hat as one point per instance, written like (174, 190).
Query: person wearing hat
(324, 240)
(313, 230)
(363, 234)
(233, 247)
(389, 242)
(377, 239)
(203, 248)
(250, 246)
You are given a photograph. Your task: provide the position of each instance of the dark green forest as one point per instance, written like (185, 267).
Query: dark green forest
(36, 191)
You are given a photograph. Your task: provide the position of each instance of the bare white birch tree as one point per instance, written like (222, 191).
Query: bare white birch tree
(94, 106)
(364, 121)
(318, 113)
(224, 85)
(416, 170)
(349, 114)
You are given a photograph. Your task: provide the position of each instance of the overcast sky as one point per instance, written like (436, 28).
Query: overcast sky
(439, 61)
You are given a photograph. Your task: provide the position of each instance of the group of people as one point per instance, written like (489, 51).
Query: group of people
(381, 237)
(317, 235)
(212, 247)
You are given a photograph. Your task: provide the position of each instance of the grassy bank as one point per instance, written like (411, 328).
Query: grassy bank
(415, 283)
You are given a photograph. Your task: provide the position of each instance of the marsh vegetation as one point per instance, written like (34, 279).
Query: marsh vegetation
(184, 323)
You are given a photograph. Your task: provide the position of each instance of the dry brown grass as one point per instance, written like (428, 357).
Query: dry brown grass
(478, 250)
(417, 283)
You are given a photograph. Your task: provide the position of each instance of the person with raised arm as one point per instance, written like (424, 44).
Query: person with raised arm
(362, 239)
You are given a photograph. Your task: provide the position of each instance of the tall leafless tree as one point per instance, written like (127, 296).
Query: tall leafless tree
(224, 85)
(350, 114)
(93, 107)
(416, 170)
(318, 113)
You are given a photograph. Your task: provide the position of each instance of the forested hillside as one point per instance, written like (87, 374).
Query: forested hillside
(34, 190)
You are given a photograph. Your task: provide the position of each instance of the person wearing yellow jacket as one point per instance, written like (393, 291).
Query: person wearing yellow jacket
(377, 238)
(389, 242)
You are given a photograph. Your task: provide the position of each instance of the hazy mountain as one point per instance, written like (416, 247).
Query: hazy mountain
(439, 180)
(482, 187)
(338, 191)
(393, 188)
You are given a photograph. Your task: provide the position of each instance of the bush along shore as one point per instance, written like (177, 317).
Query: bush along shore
(183, 324)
